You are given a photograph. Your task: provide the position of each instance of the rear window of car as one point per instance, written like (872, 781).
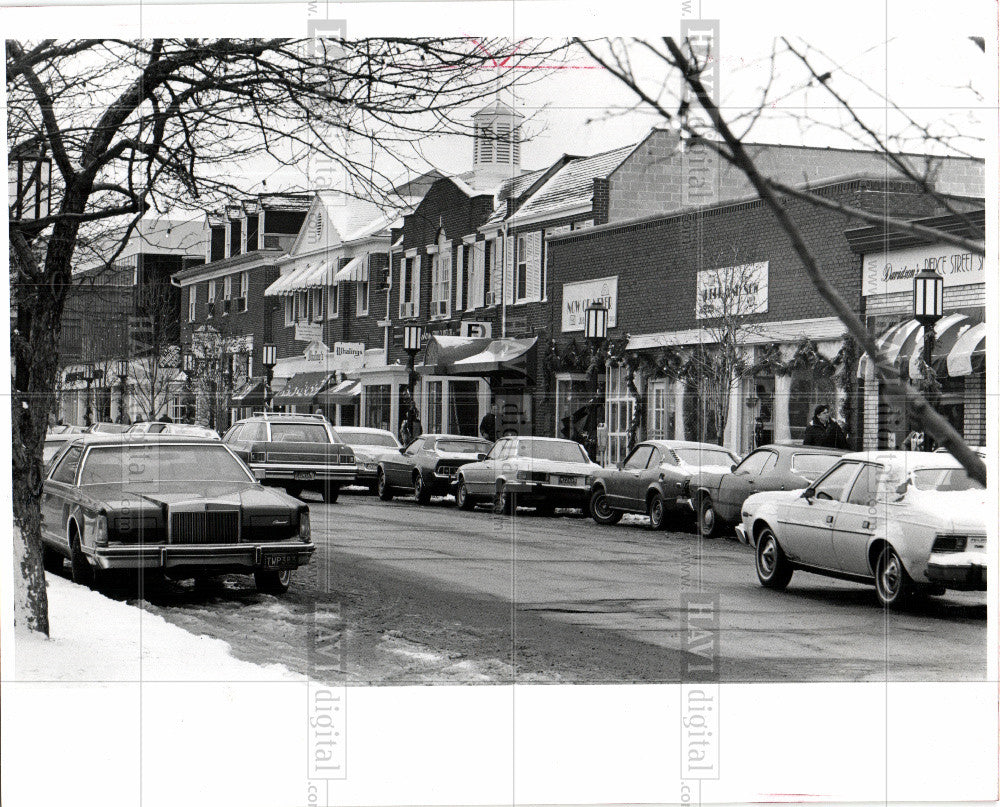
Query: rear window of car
(551, 450)
(299, 433)
(811, 466)
(463, 446)
(944, 479)
(367, 439)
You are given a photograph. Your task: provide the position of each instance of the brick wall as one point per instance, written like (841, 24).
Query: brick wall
(974, 430)
(647, 182)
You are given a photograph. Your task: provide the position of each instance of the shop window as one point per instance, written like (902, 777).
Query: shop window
(378, 406)
(619, 411)
(661, 410)
(435, 398)
(807, 393)
(463, 408)
(572, 394)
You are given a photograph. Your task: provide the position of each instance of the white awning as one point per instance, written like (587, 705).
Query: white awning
(971, 345)
(314, 278)
(284, 284)
(820, 330)
(355, 269)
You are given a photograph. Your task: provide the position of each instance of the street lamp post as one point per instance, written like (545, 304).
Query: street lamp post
(413, 336)
(595, 331)
(190, 371)
(270, 358)
(89, 377)
(928, 308)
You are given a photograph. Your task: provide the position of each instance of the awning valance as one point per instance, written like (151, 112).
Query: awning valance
(345, 393)
(959, 344)
(302, 389)
(355, 269)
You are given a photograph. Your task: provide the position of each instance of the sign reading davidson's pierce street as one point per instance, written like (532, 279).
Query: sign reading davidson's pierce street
(577, 296)
(889, 272)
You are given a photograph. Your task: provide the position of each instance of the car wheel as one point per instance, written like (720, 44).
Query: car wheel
(420, 490)
(708, 520)
(773, 569)
(83, 573)
(657, 512)
(382, 487)
(269, 582)
(463, 498)
(294, 490)
(600, 510)
(892, 583)
(503, 502)
(51, 559)
(331, 492)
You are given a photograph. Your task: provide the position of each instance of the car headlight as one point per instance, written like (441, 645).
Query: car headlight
(305, 528)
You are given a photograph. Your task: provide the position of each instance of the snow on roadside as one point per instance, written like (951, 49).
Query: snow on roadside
(94, 638)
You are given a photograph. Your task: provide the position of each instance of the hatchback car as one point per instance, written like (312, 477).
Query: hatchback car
(539, 472)
(905, 522)
(429, 465)
(653, 479)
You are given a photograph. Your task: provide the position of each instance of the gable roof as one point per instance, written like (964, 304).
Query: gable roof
(515, 187)
(331, 217)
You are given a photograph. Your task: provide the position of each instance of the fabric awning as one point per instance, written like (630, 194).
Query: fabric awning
(355, 269)
(501, 357)
(302, 389)
(310, 276)
(345, 393)
(315, 278)
(250, 394)
(958, 342)
(281, 286)
(443, 351)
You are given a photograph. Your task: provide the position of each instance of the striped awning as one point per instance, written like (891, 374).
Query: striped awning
(311, 275)
(355, 269)
(958, 341)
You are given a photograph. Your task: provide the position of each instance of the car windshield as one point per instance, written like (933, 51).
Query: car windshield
(299, 433)
(558, 451)
(146, 465)
(704, 456)
(812, 466)
(367, 439)
(944, 479)
(463, 446)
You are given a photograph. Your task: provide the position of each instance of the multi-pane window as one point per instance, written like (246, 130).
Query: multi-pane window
(289, 310)
(528, 268)
(244, 290)
(661, 410)
(333, 301)
(301, 306)
(211, 291)
(227, 287)
(441, 281)
(361, 291)
(618, 413)
(317, 304)
(409, 286)
(477, 274)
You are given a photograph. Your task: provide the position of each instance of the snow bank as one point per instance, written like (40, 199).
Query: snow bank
(96, 639)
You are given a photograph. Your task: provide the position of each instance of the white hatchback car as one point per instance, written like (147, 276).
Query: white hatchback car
(907, 522)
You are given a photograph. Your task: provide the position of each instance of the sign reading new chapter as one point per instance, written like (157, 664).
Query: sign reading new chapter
(577, 296)
(889, 272)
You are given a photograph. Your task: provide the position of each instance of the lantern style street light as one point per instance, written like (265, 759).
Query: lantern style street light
(596, 321)
(413, 336)
(928, 308)
(269, 359)
(595, 331)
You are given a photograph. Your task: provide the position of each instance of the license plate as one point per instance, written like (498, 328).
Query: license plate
(306, 476)
(280, 562)
(977, 543)
(568, 480)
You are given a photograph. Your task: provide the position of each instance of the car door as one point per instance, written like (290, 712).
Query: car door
(857, 522)
(398, 466)
(484, 474)
(622, 484)
(735, 487)
(60, 489)
(805, 523)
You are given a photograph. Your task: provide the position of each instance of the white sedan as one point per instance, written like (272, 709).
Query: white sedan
(907, 522)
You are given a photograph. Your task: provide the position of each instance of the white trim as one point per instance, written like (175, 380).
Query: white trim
(469, 239)
(551, 215)
(410, 253)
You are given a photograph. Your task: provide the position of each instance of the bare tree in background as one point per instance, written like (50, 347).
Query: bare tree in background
(689, 65)
(133, 126)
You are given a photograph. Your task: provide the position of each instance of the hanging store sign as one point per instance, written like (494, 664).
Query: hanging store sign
(892, 272)
(308, 331)
(732, 291)
(577, 296)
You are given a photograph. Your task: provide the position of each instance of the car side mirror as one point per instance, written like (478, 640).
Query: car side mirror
(808, 494)
(402, 450)
(480, 457)
(901, 488)
(733, 466)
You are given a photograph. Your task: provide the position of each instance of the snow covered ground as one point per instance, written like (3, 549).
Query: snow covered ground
(94, 638)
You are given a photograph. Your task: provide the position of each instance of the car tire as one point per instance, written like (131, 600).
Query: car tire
(708, 519)
(294, 490)
(600, 510)
(773, 569)
(503, 502)
(463, 498)
(272, 582)
(892, 584)
(420, 489)
(83, 573)
(331, 492)
(382, 487)
(657, 512)
(52, 560)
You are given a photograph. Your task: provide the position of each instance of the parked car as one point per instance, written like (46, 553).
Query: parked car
(53, 443)
(980, 451)
(189, 508)
(718, 495)
(539, 472)
(64, 429)
(906, 522)
(653, 479)
(369, 445)
(428, 466)
(190, 430)
(108, 428)
(147, 427)
(294, 451)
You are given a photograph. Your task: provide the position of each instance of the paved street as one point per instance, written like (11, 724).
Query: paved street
(432, 594)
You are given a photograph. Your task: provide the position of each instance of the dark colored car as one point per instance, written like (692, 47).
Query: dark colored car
(294, 451)
(653, 479)
(189, 508)
(718, 496)
(428, 465)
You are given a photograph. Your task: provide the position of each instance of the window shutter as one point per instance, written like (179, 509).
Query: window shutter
(508, 270)
(459, 279)
(416, 285)
(534, 245)
(404, 279)
(478, 291)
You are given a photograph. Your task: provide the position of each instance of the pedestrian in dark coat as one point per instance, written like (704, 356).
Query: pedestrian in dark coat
(824, 431)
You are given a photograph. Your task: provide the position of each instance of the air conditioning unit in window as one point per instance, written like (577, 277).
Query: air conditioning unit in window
(439, 308)
(407, 310)
(491, 298)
